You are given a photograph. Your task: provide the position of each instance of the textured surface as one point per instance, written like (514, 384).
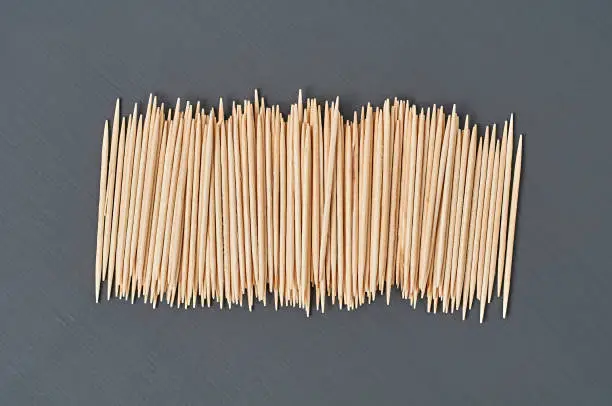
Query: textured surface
(62, 65)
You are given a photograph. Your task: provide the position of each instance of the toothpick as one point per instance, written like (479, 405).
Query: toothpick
(497, 217)
(213, 268)
(290, 209)
(261, 214)
(355, 146)
(394, 200)
(205, 215)
(490, 230)
(297, 194)
(148, 249)
(339, 201)
(317, 146)
(163, 206)
(195, 247)
(110, 191)
(128, 275)
(177, 237)
(326, 262)
(417, 210)
(246, 208)
(140, 189)
(219, 240)
(348, 214)
(156, 144)
(468, 221)
(306, 217)
(442, 233)
(405, 125)
(480, 223)
(512, 223)
(228, 271)
(233, 217)
(101, 210)
(377, 180)
(239, 188)
(250, 127)
(454, 224)
(485, 219)
(210, 270)
(276, 201)
(268, 142)
(332, 257)
(387, 167)
(435, 187)
(283, 215)
(128, 162)
(329, 181)
(408, 279)
(429, 183)
(116, 206)
(164, 280)
(187, 221)
(507, 145)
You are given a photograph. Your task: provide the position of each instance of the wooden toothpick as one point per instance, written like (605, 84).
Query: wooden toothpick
(101, 210)
(512, 224)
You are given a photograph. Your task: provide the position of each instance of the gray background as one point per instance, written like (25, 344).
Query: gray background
(63, 63)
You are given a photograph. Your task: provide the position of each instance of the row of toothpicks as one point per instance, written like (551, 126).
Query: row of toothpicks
(195, 206)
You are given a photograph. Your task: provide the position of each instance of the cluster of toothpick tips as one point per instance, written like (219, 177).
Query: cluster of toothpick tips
(308, 209)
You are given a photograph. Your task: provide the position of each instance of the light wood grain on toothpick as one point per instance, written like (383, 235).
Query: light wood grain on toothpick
(485, 219)
(129, 274)
(468, 220)
(387, 167)
(153, 138)
(283, 216)
(394, 208)
(233, 216)
(479, 217)
(496, 220)
(110, 191)
(219, 241)
(512, 224)
(505, 201)
(490, 229)
(177, 234)
(146, 145)
(164, 282)
(148, 248)
(101, 209)
(447, 277)
(268, 143)
(163, 206)
(194, 250)
(251, 160)
(306, 217)
(226, 226)
(116, 207)
(329, 182)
